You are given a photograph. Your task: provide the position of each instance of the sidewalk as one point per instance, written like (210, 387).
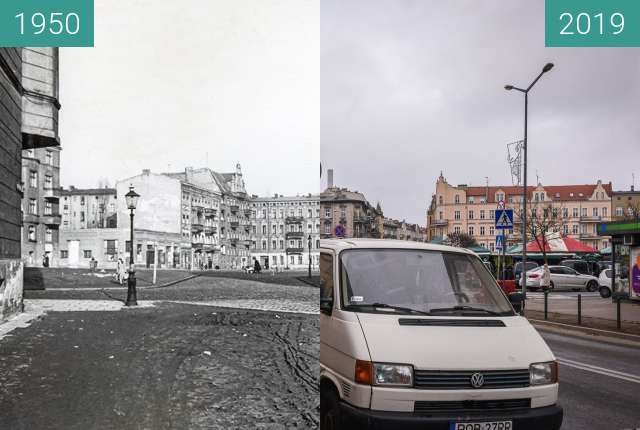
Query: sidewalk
(597, 312)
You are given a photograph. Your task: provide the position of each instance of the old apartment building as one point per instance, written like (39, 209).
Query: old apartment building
(347, 213)
(282, 226)
(626, 204)
(28, 122)
(470, 209)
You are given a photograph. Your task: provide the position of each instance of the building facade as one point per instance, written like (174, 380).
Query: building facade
(88, 208)
(281, 228)
(626, 204)
(28, 121)
(402, 230)
(471, 210)
(348, 214)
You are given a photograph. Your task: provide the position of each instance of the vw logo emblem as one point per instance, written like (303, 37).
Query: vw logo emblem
(477, 380)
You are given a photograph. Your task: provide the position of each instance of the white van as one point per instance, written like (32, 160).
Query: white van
(420, 336)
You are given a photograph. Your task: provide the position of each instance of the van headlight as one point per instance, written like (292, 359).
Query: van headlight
(543, 373)
(392, 374)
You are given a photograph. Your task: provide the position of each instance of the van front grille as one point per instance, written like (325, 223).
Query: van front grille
(471, 405)
(461, 379)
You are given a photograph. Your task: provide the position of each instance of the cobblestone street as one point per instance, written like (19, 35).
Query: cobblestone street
(204, 353)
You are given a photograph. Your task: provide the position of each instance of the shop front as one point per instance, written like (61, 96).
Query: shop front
(625, 257)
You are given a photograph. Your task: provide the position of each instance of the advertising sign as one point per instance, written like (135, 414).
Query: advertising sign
(634, 268)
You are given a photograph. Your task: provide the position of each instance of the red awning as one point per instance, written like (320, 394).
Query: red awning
(555, 242)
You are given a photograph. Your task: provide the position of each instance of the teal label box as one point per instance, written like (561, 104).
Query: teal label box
(46, 23)
(592, 23)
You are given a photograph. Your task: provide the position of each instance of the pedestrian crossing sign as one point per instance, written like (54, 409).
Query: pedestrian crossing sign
(499, 242)
(504, 218)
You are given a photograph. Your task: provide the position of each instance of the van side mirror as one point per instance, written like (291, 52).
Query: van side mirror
(326, 305)
(516, 299)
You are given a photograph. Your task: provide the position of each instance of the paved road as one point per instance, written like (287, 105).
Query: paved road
(599, 383)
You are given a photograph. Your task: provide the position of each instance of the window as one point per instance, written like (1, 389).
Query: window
(48, 235)
(471, 230)
(481, 230)
(492, 231)
(33, 179)
(87, 253)
(81, 216)
(264, 244)
(440, 199)
(48, 208)
(264, 229)
(492, 214)
(274, 244)
(604, 211)
(574, 229)
(64, 253)
(499, 197)
(575, 212)
(440, 215)
(456, 215)
(48, 181)
(457, 199)
(470, 214)
(619, 211)
(32, 233)
(33, 207)
(565, 229)
(456, 229)
(482, 214)
(111, 247)
(327, 229)
(281, 244)
(595, 211)
(472, 200)
(273, 228)
(565, 212)
(584, 211)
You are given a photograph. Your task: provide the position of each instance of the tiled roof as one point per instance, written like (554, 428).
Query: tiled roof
(565, 192)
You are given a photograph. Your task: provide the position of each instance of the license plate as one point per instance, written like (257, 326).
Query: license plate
(487, 425)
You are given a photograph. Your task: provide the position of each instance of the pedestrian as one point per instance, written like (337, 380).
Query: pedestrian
(256, 266)
(45, 261)
(120, 271)
(545, 280)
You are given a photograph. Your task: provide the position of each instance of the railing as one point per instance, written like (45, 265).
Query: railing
(293, 220)
(440, 223)
(52, 219)
(295, 250)
(294, 235)
(52, 192)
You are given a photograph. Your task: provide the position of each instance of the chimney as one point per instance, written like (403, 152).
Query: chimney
(330, 178)
(632, 188)
(188, 172)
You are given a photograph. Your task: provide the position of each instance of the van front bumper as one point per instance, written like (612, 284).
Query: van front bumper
(545, 418)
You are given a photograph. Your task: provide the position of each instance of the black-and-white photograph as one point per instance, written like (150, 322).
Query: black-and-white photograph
(160, 221)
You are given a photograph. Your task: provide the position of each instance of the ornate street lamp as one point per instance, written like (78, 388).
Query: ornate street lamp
(132, 201)
(309, 243)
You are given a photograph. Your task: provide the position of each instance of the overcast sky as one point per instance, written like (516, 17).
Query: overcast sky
(413, 87)
(171, 84)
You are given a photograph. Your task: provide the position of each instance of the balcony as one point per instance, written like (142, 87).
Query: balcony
(197, 226)
(590, 218)
(52, 193)
(440, 223)
(210, 211)
(295, 251)
(53, 219)
(293, 220)
(210, 228)
(31, 218)
(234, 208)
(294, 235)
(247, 213)
(358, 219)
(234, 224)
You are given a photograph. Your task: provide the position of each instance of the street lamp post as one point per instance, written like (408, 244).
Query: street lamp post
(309, 243)
(132, 200)
(523, 273)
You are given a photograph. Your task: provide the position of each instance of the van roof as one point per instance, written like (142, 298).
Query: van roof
(342, 244)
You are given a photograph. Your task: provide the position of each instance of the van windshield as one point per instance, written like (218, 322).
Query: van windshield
(431, 282)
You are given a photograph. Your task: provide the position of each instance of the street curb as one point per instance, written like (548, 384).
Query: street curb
(169, 284)
(21, 320)
(607, 336)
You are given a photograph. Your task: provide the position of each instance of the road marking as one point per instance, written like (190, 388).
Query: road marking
(600, 370)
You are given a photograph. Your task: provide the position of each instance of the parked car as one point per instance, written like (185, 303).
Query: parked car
(517, 269)
(582, 266)
(248, 269)
(605, 283)
(416, 335)
(562, 277)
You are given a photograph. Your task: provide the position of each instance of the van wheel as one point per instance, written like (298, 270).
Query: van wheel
(329, 409)
(592, 286)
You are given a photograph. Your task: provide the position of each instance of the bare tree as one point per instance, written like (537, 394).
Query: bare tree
(632, 211)
(542, 218)
(460, 240)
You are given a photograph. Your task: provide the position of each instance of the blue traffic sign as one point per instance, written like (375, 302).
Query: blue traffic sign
(499, 242)
(504, 218)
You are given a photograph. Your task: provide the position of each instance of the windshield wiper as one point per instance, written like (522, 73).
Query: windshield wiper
(387, 306)
(465, 308)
